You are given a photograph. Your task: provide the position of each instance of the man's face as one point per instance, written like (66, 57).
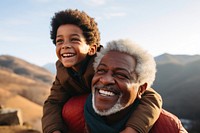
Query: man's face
(113, 84)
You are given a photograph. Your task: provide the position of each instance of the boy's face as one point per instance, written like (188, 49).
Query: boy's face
(71, 47)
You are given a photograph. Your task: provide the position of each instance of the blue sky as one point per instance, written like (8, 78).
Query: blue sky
(160, 26)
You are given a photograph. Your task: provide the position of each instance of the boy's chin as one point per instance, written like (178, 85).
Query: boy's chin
(67, 64)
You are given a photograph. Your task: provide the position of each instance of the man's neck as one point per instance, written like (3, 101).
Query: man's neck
(113, 118)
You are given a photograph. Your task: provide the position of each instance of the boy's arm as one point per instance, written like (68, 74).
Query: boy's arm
(52, 109)
(147, 112)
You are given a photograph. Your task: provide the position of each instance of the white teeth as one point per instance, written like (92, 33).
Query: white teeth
(106, 93)
(67, 55)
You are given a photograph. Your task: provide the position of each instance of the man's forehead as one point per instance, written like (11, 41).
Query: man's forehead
(118, 59)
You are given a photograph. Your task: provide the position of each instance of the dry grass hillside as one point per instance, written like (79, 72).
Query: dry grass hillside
(31, 112)
(35, 91)
(24, 86)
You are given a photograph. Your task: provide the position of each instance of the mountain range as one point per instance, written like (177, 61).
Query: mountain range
(26, 86)
(178, 82)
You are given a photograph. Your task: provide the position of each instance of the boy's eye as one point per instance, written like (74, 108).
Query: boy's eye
(75, 40)
(59, 41)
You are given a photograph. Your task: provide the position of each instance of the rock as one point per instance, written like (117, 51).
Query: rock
(10, 116)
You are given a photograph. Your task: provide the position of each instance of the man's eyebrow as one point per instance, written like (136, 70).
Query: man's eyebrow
(122, 69)
(116, 69)
(101, 64)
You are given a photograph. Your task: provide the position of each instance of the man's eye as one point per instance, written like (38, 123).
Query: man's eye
(121, 76)
(100, 71)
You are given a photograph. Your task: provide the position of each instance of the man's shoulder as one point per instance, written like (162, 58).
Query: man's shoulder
(167, 115)
(167, 122)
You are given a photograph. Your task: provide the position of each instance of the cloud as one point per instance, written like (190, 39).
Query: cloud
(118, 14)
(14, 39)
(42, 1)
(110, 16)
(15, 22)
(9, 39)
(96, 2)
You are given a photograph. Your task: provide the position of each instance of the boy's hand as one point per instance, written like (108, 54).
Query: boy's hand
(129, 130)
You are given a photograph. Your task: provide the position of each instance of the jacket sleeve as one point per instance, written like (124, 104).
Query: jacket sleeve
(52, 109)
(147, 112)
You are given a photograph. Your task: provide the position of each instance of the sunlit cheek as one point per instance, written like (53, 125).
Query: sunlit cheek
(85, 49)
(58, 53)
(131, 93)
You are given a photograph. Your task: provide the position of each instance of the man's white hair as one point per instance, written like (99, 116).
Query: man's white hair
(145, 64)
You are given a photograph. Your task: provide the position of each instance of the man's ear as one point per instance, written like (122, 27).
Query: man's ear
(141, 90)
(92, 49)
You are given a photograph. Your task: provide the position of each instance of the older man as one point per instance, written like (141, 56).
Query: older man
(123, 71)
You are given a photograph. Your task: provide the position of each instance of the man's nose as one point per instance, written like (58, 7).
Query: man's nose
(107, 79)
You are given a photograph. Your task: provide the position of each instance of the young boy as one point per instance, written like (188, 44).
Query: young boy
(77, 40)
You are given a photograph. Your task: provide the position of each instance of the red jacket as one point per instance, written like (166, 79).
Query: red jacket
(74, 117)
(167, 123)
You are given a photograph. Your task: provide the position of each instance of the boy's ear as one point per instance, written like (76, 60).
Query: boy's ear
(141, 90)
(92, 49)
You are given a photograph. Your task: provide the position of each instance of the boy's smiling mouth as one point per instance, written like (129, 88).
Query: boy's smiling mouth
(67, 55)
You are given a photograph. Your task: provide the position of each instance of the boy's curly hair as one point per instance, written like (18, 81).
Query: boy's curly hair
(80, 19)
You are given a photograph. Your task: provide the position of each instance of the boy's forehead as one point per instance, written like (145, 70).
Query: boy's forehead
(69, 29)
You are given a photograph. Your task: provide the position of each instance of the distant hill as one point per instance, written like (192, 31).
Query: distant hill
(178, 82)
(51, 67)
(24, 68)
(176, 59)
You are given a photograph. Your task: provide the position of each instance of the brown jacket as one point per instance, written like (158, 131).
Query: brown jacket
(64, 87)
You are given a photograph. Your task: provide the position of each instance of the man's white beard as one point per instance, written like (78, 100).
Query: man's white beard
(116, 108)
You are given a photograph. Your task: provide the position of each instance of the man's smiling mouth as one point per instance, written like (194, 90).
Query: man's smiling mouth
(106, 93)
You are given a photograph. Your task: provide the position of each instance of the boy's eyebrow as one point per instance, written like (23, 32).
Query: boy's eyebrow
(58, 35)
(75, 35)
(70, 35)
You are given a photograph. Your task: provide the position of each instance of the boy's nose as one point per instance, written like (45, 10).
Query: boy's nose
(66, 46)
